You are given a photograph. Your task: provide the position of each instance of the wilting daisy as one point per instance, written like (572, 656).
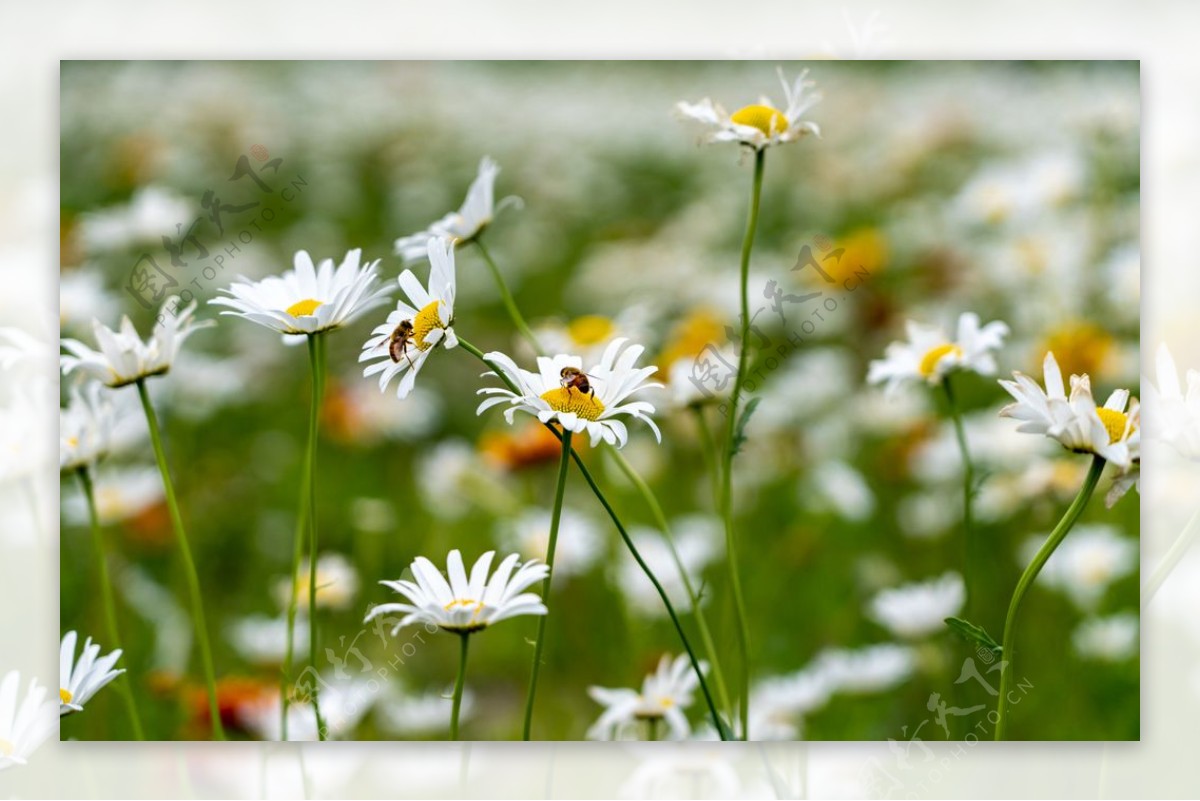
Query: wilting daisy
(759, 124)
(80, 680)
(411, 332)
(592, 401)
(1110, 431)
(917, 610)
(307, 299)
(664, 695)
(85, 427)
(929, 355)
(25, 721)
(459, 227)
(1173, 416)
(124, 357)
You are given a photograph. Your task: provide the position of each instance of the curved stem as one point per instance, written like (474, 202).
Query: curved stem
(540, 644)
(106, 591)
(316, 357)
(509, 303)
(456, 705)
(193, 579)
(693, 597)
(731, 423)
(1026, 581)
(971, 545)
(1168, 563)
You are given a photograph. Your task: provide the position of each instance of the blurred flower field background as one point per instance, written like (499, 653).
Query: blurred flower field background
(1006, 189)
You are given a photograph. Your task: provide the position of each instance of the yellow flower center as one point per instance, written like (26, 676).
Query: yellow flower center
(591, 329)
(1081, 348)
(764, 118)
(303, 308)
(6, 748)
(931, 359)
(571, 400)
(427, 319)
(72, 442)
(1114, 422)
(65, 695)
(466, 603)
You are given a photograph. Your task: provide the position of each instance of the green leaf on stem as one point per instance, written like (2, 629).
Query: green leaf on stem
(972, 633)
(739, 432)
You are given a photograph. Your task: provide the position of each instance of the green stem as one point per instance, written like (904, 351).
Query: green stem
(731, 423)
(555, 518)
(106, 590)
(693, 597)
(971, 544)
(294, 598)
(1026, 581)
(511, 305)
(316, 358)
(193, 579)
(1168, 563)
(652, 729)
(456, 705)
(722, 728)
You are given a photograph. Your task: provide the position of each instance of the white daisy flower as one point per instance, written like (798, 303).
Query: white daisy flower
(475, 214)
(929, 355)
(85, 427)
(579, 539)
(307, 299)
(25, 722)
(80, 680)
(122, 493)
(343, 706)
(1110, 431)
(580, 401)
(262, 640)
(778, 704)
(664, 695)
(411, 332)
(407, 715)
(124, 357)
(150, 213)
(918, 610)
(1173, 416)
(463, 605)
(870, 669)
(337, 584)
(759, 124)
(1107, 639)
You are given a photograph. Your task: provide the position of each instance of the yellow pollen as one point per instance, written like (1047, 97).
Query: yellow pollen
(303, 308)
(427, 319)
(591, 329)
(465, 602)
(73, 442)
(931, 359)
(6, 748)
(1114, 422)
(65, 695)
(571, 400)
(764, 118)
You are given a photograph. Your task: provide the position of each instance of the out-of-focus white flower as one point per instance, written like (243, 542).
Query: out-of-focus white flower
(1171, 415)
(686, 390)
(1107, 639)
(927, 515)
(588, 335)
(79, 680)
(366, 416)
(85, 427)
(19, 348)
(1086, 563)
(873, 668)
(696, 542)
(121, 493)
(124, 357)
(151, 214)
(337, 584)
(838, 487)
(262, 640)
(929, 355)
(453, 479)
(760, 124)
(408, 715)
(82, 297)
(664, 696)
(579, 541)
(917, 610)
(1010, 192)
(25, 721)
(343, 706)
(778, 704)
(462, 226)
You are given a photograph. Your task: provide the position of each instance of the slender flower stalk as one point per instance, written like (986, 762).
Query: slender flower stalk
(726, 495)
(970, 541)
(1178, 548)
(293, 600)
(1026, 581)
(459, 682)
(193, 579)
(106, 590)
(555, 518)
(509, 303)
(316, 358)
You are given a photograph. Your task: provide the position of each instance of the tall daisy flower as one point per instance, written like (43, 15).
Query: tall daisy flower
(80, 679)
(25, 721)
(591, 401)
(760, 124)
(307, 299)
(464, 605)
(85, 427)
(664, 696)
(464, 225)
(124, 357)
(403, 343)
(929, 355)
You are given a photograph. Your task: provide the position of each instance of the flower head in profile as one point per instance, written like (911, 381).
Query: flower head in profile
(307, 299)
(124, 357)
(475, 214)
(403, 343)
(760, 124)
(25, 720)
(592, 401)
(85, 427)
(1111, 431)
(918, 610)
(79, 680)
(463, 604)
(1172, 415)
(929, 355)
(664, 696)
